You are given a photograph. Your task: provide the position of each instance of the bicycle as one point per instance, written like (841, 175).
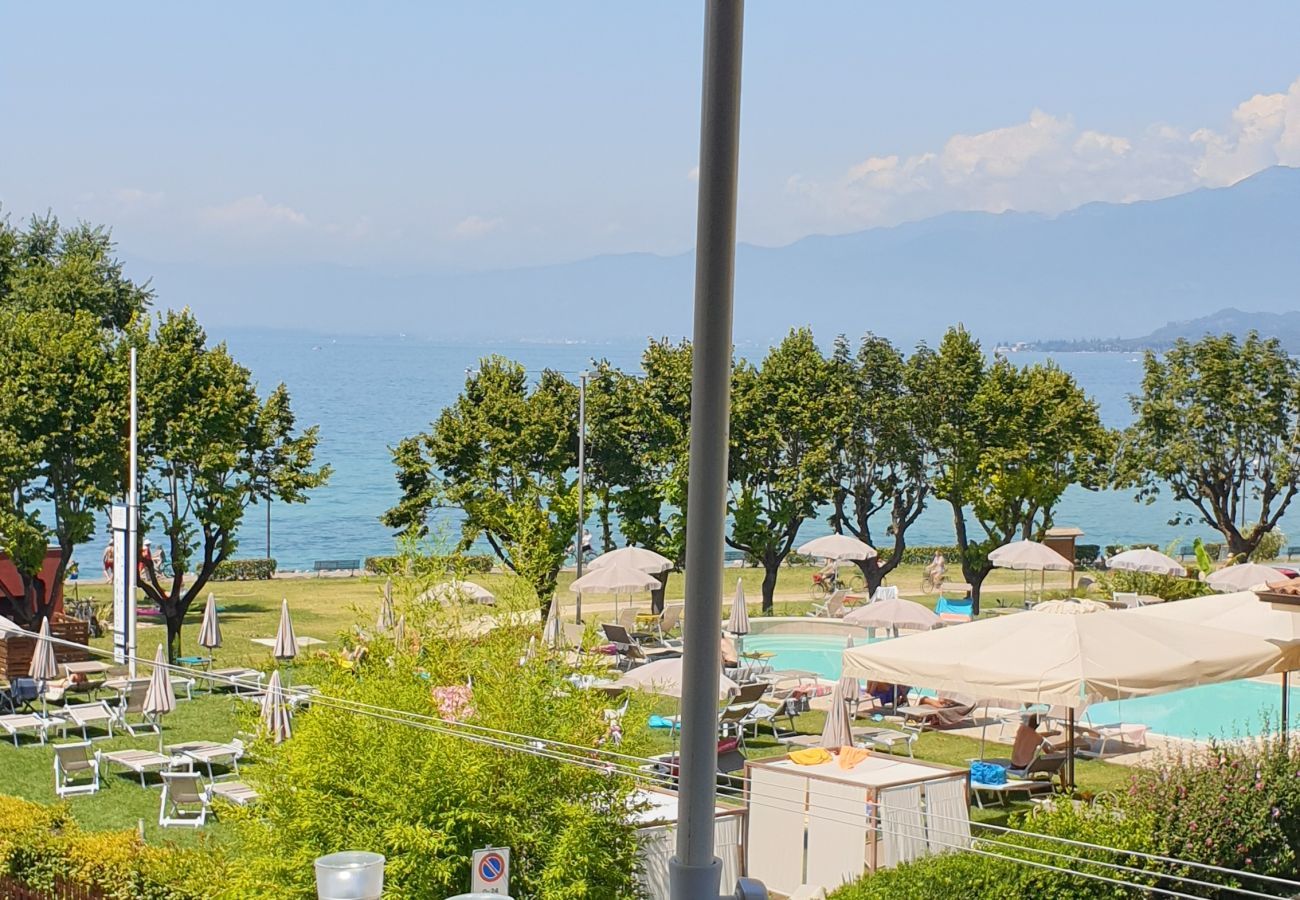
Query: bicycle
(825, 585)
(931, 581)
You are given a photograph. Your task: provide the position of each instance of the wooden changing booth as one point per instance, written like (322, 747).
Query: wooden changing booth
(823, 826)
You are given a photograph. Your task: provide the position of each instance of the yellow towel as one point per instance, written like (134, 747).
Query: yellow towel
(851, 756)
(813, 756)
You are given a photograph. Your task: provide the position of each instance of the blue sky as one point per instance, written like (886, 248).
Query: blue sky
(416, 136)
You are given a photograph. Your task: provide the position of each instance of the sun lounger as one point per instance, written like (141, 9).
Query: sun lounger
(235, 792)
(1046, 762)
(205, 753)
(240, 679)
(138, 761)
(83, 715)
(75, 761)
(886, 738)
(129, 712)
(182, 791)
(954, 612)
(833, 608)
(1012, 785)
(1097, 738)
(925, 716)
(630, 650)
(30, 722)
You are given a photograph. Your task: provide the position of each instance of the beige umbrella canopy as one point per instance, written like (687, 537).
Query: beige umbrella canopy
(1241, 612)
(1243, 577)
(893, 613)
(159, 699)
(43, 666)
(1029, 556)
(1069, 661)
(286, 643)
(551, 630)
(635, 558)
(458, 592)
(664, 677)
(738, 624)
(1070, 607)
(837, 732)
(387, 618)
(275, 710)
(614, 578)
(837, 546)
(210, 629)
(1144, 559)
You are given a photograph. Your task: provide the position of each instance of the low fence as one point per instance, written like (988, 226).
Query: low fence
(16, 650)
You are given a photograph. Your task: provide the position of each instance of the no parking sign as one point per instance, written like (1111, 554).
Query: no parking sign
(491, 871)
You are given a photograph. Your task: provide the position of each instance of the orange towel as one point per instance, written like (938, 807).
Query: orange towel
(851, 756)
(813, 756)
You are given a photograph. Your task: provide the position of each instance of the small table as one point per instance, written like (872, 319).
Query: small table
(886, 738)
(757, 661)
(204, 662)
(1009, 786)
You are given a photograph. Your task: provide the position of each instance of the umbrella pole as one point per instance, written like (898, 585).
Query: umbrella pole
(1069, 762)
(1286, 706)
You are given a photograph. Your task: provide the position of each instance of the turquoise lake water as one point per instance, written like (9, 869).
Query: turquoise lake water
(1231, 709)
(368, 393)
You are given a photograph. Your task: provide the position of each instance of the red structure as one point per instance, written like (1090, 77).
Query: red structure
(12, 582)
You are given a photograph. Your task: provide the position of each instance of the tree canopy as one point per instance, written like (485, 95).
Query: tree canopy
(1218, 424)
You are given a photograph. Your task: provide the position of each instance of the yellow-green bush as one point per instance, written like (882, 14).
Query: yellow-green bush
(39, 843)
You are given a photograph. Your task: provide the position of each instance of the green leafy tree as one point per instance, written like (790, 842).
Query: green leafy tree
(1218, 424)
(880, 463)
(1007, 442)
(209, 447)
(63, 300)
(503, 454)
(781, 455)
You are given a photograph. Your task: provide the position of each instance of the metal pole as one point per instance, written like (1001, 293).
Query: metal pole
(268, 518)
(694, 872)
(1286, 707)
(582, 475)
(132, 561)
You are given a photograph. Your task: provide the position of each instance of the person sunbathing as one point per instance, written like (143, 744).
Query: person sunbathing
(1029, 739)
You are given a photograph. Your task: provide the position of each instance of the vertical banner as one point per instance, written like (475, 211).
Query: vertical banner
(121, 565)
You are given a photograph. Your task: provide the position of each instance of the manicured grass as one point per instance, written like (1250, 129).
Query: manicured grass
(28, 770)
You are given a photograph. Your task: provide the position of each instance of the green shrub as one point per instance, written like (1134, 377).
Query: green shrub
(1269, 547)
(1086, 554)
(41, 843)
(429, 566)
(244, 570)
(1167, 587)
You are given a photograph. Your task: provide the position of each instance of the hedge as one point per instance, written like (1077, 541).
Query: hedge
(244, 570)
(40, 843)
(470, 564)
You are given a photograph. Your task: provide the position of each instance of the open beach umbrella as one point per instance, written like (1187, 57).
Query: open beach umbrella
(275, 710)
(1243, 577)
(838, 731)
(286, 644)
(386, 616)
(738, 624)
(210, 629)
(664, 677)
(457, 592)
(1144, 559)
(615, 578)
(893, 613)
(837, 546)
(633, 557)
(1070, 607)
(159, 698)
(1030, 556)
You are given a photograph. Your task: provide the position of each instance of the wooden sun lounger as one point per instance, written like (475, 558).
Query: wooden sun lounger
(235, 792)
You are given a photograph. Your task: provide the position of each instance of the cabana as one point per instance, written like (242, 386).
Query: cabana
(1070, 661)
(1241, 612)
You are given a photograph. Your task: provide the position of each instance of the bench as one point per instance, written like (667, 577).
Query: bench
(336, 565)
(1292, 551)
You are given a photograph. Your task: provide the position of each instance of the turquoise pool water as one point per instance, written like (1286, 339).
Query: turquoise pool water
(1232, 709)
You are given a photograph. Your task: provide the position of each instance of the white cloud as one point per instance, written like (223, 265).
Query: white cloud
(254, 212)
(1049, 164)
(474, 227)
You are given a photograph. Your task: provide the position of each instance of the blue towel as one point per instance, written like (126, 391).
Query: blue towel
(661, 722)
(988, 773)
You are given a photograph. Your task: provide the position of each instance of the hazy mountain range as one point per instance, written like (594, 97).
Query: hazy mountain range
(1099, 270)
(1284, 326)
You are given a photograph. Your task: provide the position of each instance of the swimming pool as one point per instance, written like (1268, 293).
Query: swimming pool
(1231, 709)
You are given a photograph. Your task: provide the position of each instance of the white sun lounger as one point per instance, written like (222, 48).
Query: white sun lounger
(138, 761)
(205, 753)
(75, 761)
(235, 792)
(37, 725)
(83, 715)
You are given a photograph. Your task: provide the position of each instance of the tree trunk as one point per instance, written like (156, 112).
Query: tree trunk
(657, 595)
(606, 529)
(771, 567)
(174, 622)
